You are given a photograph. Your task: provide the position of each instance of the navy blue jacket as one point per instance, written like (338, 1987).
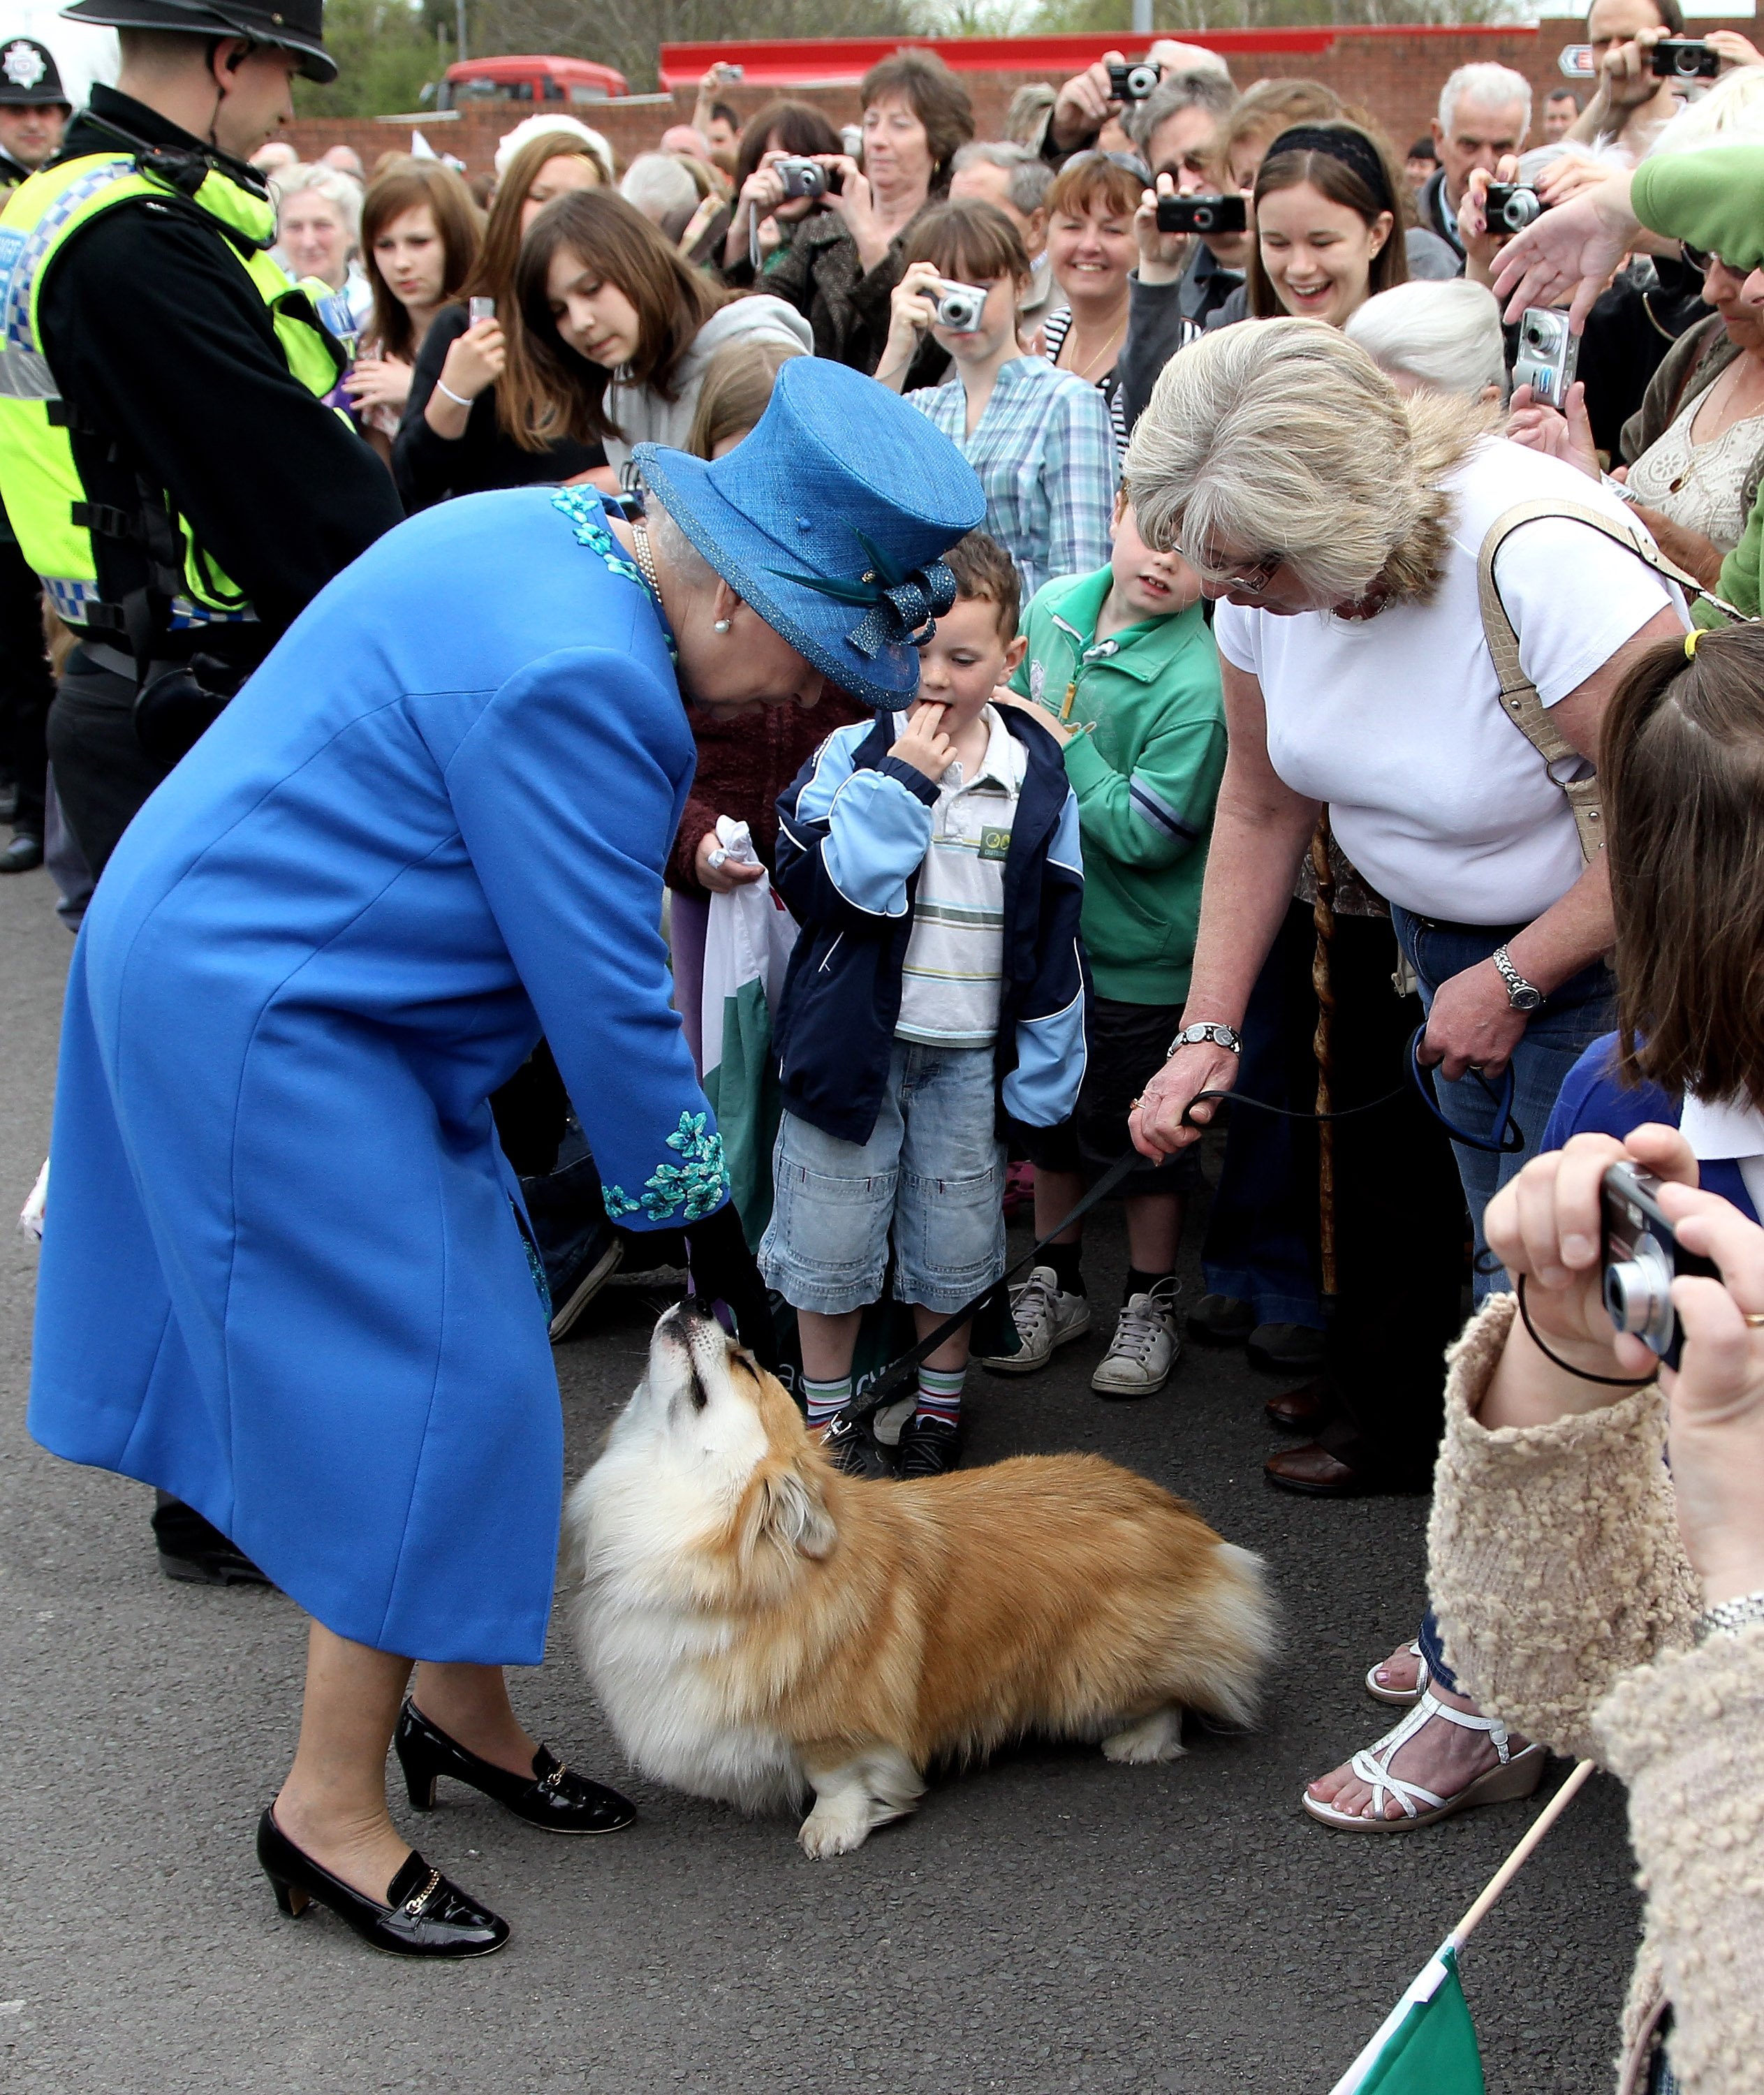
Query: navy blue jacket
(849, 874)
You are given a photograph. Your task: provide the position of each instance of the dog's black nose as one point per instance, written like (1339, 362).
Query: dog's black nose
(694, 1309)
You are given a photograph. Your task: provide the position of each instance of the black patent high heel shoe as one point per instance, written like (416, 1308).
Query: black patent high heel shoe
(553, 1797)
(425, 1915)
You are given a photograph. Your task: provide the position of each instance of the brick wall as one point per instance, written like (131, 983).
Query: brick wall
(1397, 77)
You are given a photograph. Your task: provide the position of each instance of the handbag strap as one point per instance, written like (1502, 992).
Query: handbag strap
(1567, 766)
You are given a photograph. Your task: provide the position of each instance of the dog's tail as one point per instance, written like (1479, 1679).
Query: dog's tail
(1236, 1621)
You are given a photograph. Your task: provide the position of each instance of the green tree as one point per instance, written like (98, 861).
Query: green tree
(386, 51)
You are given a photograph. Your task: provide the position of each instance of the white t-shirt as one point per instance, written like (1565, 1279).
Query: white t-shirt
(1397, 722)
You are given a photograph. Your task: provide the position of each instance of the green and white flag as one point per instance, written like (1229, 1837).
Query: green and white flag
(1427, 2044)
(747, 945)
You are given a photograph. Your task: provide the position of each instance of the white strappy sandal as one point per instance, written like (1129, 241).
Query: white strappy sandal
(1403, 1698)
(1514, 1775)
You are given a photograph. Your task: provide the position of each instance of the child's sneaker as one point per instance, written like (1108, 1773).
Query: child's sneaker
(850, 1446)
(928, 1447)
(1145, 1347)
(1045, 1317)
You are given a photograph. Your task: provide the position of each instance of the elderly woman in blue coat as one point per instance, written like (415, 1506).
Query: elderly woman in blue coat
(286, 1275)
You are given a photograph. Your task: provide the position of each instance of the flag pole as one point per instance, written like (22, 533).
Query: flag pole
(1521, 1855)
(1434, 1972)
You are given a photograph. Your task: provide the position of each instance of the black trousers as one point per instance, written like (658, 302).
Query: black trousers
(26, 686)
(1399, 1222)
(103, 775)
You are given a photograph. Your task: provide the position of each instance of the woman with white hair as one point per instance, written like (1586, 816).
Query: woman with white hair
(1445, 337)
(1340, 523)
(318, 229)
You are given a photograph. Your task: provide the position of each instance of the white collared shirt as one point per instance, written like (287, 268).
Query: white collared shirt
(1721, 1129)
(952, 978)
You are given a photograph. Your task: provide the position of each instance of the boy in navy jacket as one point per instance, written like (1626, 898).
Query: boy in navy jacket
(938, 986)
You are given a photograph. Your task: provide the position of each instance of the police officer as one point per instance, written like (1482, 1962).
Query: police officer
(34, 110)
(166, 457)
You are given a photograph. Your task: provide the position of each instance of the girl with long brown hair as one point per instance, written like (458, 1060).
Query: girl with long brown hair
(420, 236)
(453, 439)
(616, 330)
(1328, 224)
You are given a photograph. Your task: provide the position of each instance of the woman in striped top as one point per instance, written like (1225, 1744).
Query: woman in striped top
(1091, 250)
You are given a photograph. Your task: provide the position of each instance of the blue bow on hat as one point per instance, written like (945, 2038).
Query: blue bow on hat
(841, 498)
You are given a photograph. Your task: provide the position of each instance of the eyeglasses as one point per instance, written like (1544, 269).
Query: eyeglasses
(1251, 578)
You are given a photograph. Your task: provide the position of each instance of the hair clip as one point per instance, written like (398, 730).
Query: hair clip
(1691, 639)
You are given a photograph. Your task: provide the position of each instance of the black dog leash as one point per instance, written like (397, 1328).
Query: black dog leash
(1508, 1141)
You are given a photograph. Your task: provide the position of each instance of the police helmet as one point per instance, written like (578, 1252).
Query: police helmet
(292, 25)
(29, 78)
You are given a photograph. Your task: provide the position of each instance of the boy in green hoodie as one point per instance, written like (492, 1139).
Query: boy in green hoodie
(1120, 667)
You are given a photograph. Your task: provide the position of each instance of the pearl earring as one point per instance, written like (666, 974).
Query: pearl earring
(721, 626)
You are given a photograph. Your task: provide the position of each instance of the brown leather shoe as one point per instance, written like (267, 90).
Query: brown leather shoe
(1313, 1469)
(1299, 1410)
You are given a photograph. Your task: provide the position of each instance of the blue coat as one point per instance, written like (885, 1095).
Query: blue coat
(283, 1274)
(836, 1019)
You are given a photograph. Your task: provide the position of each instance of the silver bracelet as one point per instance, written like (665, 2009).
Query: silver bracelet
(1728, 1618)
(443, 386)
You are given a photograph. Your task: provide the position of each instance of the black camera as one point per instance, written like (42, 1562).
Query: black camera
(1133, 82)
(1685, 58)
(1511, 207)
(1643, 1257)
(801, 178)
(1202, 213)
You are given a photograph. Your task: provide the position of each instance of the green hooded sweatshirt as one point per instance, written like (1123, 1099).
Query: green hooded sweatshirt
(1145, 775)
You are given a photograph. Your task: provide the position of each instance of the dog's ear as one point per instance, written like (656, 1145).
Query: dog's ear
(794, 1514)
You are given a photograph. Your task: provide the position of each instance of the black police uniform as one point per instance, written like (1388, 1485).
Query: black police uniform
(29, 79)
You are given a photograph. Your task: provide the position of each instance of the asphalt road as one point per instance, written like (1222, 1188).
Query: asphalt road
(1049, 1923)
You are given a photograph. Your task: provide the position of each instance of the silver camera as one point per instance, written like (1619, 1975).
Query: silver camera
(960, 305)
(801, 178)
(1548, 355)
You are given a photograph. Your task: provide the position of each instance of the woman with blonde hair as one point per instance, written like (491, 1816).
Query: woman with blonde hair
(454, 438)
(1340, 524)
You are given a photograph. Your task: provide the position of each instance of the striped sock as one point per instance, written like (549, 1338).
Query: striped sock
(940, 1394)
(823, 1398)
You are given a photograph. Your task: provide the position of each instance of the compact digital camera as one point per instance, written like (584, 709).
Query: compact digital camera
(1133, 82)
(852, 138)
(801, 178)
(960, 305)
(1202, 213)
(1643, 1257)
(479, 309)
(1548, 355)
(1512, 206)
(1685, 58)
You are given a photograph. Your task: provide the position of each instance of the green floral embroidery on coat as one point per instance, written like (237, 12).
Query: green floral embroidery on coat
(695, 1186)
(581, 506)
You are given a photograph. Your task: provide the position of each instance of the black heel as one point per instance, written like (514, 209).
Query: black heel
(553, 1797)
(424, 1915)
(292, 1903)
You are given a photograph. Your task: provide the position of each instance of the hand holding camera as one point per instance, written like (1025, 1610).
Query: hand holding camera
(1564, 432)
(1085, 103)
(475, 360)
(1164, 252)
(1134, 81)
(1684, 58)
(1603, 1221)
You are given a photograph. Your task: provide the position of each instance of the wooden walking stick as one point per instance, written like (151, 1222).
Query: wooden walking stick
(1323, 916)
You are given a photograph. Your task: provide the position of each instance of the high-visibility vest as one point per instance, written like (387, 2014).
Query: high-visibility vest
(55, 517)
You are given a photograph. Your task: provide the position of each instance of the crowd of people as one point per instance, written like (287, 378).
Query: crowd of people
(1157, 646)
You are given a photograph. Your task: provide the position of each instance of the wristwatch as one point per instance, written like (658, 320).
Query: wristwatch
(1522, 996)
(1728, 1618)
(1221, 1036)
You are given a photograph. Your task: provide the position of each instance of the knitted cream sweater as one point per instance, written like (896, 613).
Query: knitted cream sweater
(1568, 1606)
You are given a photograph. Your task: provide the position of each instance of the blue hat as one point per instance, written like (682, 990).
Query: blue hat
(831, 519)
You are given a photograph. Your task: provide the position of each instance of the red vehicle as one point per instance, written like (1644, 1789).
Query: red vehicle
(559, 82)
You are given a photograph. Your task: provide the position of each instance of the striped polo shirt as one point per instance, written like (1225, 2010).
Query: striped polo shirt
(951, 979)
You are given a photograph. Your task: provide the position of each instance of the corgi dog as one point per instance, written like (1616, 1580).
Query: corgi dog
(757, 1627)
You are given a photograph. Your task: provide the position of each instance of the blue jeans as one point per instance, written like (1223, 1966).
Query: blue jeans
(1556, 1035)
(932, 1174)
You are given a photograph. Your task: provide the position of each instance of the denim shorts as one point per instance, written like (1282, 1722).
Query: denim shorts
(933, 1171)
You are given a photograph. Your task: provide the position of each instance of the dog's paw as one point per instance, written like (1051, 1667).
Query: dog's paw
(824, 1832)
(1158, 1737)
